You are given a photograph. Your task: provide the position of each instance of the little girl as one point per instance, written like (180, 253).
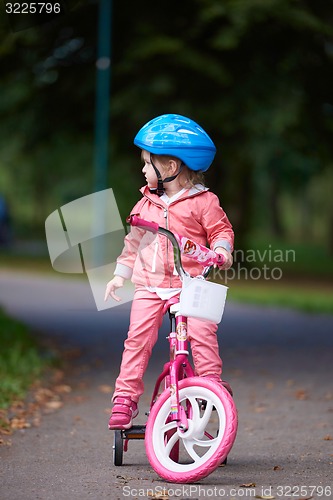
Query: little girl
(175, 153)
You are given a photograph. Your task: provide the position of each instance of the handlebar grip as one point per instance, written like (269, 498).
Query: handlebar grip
(198, 252)
(134, 220)
(220, 260)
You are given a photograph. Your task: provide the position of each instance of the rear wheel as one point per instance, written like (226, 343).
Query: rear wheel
(118, 448)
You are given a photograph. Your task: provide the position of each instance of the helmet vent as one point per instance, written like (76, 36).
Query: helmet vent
(186, 131)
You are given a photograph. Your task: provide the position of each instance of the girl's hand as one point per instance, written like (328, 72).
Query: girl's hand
(229, 259)
(111, 287)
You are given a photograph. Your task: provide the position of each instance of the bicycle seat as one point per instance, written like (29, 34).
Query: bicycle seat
(170, 302)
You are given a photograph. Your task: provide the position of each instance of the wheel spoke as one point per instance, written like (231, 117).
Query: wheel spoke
(188, 444)
(202, 422)
(195, 408)
(207, 443)
(171, 443)
(169, 426)
(201, 443)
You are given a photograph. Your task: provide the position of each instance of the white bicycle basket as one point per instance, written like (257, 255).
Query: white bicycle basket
(202, 299)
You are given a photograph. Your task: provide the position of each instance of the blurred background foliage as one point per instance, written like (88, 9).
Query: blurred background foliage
(258, 76)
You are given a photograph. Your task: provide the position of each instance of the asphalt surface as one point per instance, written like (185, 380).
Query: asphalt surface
(280, 366)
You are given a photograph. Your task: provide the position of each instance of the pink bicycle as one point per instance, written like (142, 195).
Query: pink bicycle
(192, 424)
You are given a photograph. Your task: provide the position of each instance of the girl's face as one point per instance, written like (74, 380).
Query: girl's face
(148, 169)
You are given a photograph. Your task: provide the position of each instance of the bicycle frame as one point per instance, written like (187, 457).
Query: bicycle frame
(178, 365)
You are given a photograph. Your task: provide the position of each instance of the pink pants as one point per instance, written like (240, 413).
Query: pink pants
(146, 318)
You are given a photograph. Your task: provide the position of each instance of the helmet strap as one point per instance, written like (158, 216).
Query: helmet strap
(160, 188)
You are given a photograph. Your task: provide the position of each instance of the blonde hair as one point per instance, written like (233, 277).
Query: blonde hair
(187, 177)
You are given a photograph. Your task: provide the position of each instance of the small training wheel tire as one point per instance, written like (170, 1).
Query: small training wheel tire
(118, 448)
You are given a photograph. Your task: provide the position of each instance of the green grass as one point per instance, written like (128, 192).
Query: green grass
(294, 258)
(309, 297)
(297, 276)
(25, 262)
(20, 361)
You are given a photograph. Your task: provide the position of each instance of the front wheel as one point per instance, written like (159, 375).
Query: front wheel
(212, 428)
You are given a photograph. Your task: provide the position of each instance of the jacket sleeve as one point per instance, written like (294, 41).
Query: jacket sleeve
(126, 260)
(217, 225)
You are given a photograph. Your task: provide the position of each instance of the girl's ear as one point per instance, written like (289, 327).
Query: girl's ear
(173, 166)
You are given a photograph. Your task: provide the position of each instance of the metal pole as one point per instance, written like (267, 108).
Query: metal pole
(103, 78)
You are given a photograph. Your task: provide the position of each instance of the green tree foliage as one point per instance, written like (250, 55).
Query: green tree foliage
(257, 75)
(47, 109)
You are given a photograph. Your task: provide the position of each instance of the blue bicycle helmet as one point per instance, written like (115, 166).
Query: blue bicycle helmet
(177, 136)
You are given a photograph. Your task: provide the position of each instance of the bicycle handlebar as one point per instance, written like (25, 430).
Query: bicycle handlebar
(181, 244)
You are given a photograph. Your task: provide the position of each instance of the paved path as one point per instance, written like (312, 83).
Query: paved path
(278, 362)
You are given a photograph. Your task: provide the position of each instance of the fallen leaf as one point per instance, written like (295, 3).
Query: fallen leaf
(301, 395)
(277, 467)
(248, 485)
(5, 425)
(19, 423)
(16, 405)
(106, 389)
(63, 389)
(159, 496)
(5, 442)
(328, 438)
(6, 431)
(43, 394)
(54, 405)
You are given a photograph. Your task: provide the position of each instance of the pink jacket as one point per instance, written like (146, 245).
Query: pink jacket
(148, 259)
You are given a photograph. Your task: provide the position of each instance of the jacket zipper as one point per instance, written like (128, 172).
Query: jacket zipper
(165, 215)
